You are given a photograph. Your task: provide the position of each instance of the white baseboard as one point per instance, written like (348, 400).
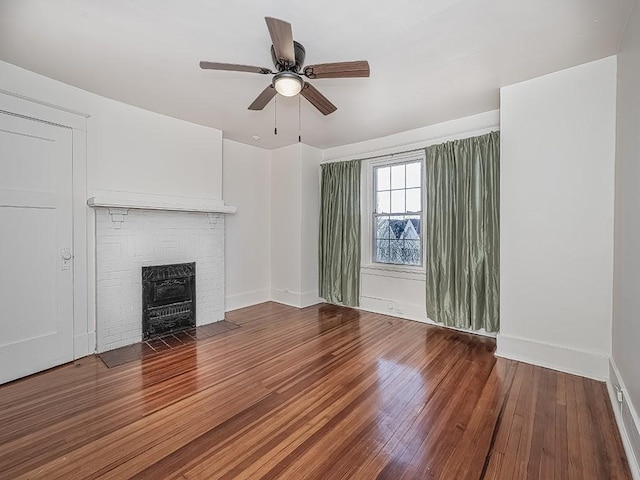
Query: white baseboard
(564, 359)
(309, 298)
(295, 299)
(84, 344)
(246, 299)
(408, 311)
(393, 308)
(286, 297)
(627, 419)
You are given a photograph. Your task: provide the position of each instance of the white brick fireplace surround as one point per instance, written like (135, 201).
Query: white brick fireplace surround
(128, 239)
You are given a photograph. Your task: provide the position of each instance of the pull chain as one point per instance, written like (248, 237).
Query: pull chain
(275, 116)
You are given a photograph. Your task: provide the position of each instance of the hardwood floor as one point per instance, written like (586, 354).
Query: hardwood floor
(319, 393)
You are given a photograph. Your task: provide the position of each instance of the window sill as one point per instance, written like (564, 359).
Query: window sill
(395, 271)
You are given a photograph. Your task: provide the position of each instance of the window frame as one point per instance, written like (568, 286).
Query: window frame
(369, 214)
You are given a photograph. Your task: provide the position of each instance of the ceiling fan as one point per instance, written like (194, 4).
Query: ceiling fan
(288, 59)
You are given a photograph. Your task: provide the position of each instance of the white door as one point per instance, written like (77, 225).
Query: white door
(36, 275)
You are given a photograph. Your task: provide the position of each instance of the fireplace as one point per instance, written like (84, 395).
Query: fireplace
(125, 244)
(168, 299)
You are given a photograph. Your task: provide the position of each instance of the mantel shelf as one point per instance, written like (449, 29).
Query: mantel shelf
(154, 203)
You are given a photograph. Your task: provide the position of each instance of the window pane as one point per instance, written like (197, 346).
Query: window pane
(411, 229)
(384, 178)
(382, 227)
(382, 251)
(396, 227)
(384, 202)
(413, 200)
(397, 176)
(395, 251)
(411, 252)
(398, 232)
(414, 174)
(397, 201)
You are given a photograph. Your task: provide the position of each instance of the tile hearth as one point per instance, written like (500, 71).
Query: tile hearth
(156, 346)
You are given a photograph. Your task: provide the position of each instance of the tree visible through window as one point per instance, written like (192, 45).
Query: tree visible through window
(397, 217)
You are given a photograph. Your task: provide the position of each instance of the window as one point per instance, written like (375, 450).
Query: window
(397, 213)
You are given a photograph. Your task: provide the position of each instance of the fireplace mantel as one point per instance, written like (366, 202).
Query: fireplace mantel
(142, 201)
(119, 204)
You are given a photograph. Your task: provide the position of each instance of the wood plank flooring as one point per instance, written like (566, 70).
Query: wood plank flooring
(318, 393)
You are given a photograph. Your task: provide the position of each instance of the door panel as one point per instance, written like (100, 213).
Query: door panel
(36, 291)
(23, 167)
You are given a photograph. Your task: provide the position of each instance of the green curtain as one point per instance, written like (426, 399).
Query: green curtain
(339, 248)
(463, 232)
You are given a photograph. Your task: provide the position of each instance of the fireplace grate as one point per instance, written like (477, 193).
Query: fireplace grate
(168, 299)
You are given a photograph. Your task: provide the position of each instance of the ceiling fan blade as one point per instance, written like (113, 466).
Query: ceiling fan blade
(233, 67)
(358, 68)
(265, 97)
(282, 39)
(318, 100)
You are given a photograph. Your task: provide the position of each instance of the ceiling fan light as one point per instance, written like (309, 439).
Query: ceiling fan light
(287, 84)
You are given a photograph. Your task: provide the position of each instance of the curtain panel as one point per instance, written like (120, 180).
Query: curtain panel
(339, 249)
(463, 242)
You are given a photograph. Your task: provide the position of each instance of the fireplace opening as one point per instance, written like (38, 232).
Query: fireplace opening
(168, 299)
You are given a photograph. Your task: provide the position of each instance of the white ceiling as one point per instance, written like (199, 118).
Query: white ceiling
(431, 61)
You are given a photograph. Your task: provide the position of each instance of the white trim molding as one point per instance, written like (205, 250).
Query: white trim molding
(246, 299)
(28, 107)
(117, 216)
(394, 308)
(367, 212)
(84, 344)
(556, 357)
(295, 299)
(143, 201)
(309, 298)
(408, 311)
(627, 418)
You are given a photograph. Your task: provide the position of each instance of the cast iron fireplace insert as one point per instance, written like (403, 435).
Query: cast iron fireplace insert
(168, 299)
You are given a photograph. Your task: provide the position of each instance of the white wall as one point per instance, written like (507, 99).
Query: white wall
(310, 224)
(626, 282)
(295, 197)
(247, 186)
(556, 222)
(127, 149)
(272, 241)
(135, 150)
(398, 293)
(286, 224)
